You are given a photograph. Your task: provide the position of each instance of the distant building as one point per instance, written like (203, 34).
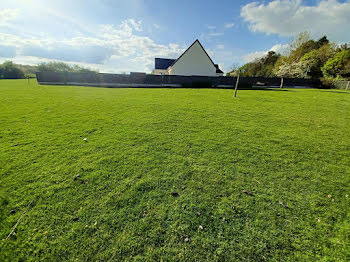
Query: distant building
(194, 61)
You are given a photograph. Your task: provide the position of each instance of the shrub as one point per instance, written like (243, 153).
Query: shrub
(327, 83)
(8, 70)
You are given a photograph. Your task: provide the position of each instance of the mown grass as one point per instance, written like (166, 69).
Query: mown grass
(162, 174)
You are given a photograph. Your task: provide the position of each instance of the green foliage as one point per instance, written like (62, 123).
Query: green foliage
(299, 40)
(322, 41)
(339, 65)
(328, 82)
(304, 48)
(260, 67)
(303, 55)
(63, 67)
(8, 70)
(315, 59)
(28, 69)
(289, 148)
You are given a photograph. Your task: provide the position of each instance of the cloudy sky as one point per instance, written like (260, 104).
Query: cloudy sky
(126, 35)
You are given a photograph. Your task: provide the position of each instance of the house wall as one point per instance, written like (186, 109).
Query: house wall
(194, 62)
(160, 72)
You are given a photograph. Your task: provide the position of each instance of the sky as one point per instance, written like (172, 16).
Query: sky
(116, 36)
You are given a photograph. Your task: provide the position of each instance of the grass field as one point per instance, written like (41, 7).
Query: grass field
(163, 172)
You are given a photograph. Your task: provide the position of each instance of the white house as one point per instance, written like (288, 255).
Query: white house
(194, 61)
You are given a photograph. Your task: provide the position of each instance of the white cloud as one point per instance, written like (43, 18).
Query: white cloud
(111, 49)
(290, 17)
(137, 25)
(220, 46)
(279, 48)
(215, 34)
(6, 15)
(229, 25)
(211, 27)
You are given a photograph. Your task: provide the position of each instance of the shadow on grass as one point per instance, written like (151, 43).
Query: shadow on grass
(339, 92)
(268, 89)
(255, 88)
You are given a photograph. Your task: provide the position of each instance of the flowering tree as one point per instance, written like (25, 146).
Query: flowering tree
(294, 69)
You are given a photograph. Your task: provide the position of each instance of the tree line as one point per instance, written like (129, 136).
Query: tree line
(306, 58)
(10, 70)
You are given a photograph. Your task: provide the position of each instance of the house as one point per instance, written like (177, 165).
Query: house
(194, 61)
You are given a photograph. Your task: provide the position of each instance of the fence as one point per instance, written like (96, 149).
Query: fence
(146, 80)
(342, 84)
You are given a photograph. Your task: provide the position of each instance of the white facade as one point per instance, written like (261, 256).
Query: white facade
(194, 61)
(160, 72)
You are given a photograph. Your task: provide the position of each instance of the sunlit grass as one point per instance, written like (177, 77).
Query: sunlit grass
(162, 174)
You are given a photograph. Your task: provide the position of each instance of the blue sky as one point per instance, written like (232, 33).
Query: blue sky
(123, 36)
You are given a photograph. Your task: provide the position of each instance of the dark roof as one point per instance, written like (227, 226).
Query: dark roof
(218, 70)
(163, 63)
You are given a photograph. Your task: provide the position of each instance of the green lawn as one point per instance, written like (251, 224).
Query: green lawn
(162, 174)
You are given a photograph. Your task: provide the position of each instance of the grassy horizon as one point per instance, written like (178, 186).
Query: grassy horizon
(173, 174)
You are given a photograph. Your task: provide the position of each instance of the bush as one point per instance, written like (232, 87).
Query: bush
(8, 70)
(327, 83)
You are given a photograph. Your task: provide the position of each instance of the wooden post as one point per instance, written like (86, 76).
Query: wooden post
(281, 85)
(236, 87)
(347, 86)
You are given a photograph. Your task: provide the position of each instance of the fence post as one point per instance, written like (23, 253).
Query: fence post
(281, 85)
(347, 86)
(236, 87)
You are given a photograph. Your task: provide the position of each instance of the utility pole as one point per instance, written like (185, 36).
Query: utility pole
(237, 81)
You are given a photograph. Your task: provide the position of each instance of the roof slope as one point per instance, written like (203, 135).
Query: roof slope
(218, 70)
(163, 63)
(190, 48)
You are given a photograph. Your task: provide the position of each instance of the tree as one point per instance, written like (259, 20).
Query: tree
(80, 69)
(233, 70)
(295, 69)
(338, 66)
(63, 67)
(299, 40)
(315, 59)
(303, 44)
(261, 66)
(322, 41)
(9, 70)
